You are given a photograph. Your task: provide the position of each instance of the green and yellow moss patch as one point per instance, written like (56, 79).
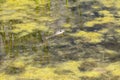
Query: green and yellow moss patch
(118, 31)
(114, 68)
(92, 37)
(64, 71)
(110, 3)
(99, 21)
(67, 25)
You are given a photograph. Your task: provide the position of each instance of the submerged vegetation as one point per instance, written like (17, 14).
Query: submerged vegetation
(59, 39)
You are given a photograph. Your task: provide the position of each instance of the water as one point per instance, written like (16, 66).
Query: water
(59, 40)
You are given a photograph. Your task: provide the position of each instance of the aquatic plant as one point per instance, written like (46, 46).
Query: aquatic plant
(92, 37)
(18, 23)
(69, 28)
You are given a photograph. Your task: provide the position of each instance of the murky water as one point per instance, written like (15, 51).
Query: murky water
(64, 39)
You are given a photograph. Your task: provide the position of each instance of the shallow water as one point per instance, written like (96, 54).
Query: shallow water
(59, 40)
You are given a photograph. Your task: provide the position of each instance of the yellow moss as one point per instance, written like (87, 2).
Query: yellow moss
(43, 2)
(108, 18)
(110, 52)
(2, 76)
(91, 60)
(18, 64)
(17, 4)
(108, 3)
(105, 30)
(117, 30)
(6, 77)
(91, 23)
(70, 65)
(73, 67)
(117, 21)
(103, 20)
(106, 13)
(111, 3)
(48, 73)
(28, 28)
(39, 73)
(69, 77)
(11, 16)
(117, 5)
(92, 37)
(19, 10)
(42, 28)
(90, 74)
(95, 7)
(114, 68)
(46, 19)
(66, 25)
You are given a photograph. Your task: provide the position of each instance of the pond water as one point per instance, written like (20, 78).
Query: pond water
(59, 40)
